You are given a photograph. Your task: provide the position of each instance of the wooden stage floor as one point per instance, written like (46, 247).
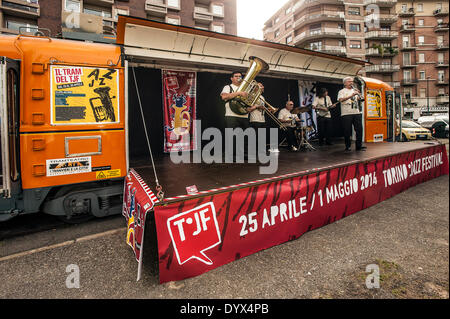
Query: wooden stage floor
(174, 178)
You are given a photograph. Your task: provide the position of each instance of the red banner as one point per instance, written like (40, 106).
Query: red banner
(179, 90)
(199, 234)
(138, 200)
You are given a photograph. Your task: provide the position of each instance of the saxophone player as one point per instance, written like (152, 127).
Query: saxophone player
(349, 98)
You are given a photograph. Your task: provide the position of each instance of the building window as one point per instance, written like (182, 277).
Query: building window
(72, 6)
(441, 76)
(355, 44)
(421, 57)
(404, 7)
(354, 11)
(423, 92)
(407, 75)
(406, 58)
(440, 39)
(420, 7)
(441, 91)
(421, 39)
(407, 93)
(277, 20)
(420, 22)
(355, 27)
(15, 25)
(288, 25)
(441, 58)
(97, 11)
(405, 41)
(405, 22)
(288, 10)
(315, 45)
(422, 75)
(277, 33)
(217, 9)
(289, 39)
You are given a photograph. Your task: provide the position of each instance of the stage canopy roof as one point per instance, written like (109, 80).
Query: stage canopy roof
(168, 45)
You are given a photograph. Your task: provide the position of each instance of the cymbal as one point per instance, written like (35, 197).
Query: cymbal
(298, 110)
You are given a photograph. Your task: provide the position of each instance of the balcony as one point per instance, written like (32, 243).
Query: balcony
(442, 99)
(442, 64)
(442, 81)
(408, 82)
(21, 8)
(201, 15)
(407, 46)
(318, 34)
(100, 2)
(381, 3)
(317, 17)
(156, 8)
(408, 65)
(441, 27)
(442, 46)
(383, 18)
(382, 68)
(395, 84)
(336, 50)
(377, 52)
(440, 12)
(407, 13)
(382, 35)
(307, 3)
(408, 28)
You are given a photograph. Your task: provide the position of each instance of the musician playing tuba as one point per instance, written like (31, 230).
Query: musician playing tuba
(229, 92)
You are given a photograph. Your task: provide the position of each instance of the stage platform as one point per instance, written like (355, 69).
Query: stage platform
(174, 178)
(238, 211)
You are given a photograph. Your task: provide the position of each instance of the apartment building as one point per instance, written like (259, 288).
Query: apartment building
(404, 47)
(96, 20)
(424, 55)
(349, 28)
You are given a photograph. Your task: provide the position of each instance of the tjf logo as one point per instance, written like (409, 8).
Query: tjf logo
(193, 232)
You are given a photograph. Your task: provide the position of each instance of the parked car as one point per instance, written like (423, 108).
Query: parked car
(413, 131)
(437, 125)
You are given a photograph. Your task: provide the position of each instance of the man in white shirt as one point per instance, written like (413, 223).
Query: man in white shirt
(232, 119)
(350, 113)
(321, 104)
(257, 119)
(229, 92)
(289, 120)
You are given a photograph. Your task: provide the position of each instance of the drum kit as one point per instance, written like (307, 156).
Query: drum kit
(301, 131)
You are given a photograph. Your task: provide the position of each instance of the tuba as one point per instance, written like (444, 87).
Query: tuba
(239, 104)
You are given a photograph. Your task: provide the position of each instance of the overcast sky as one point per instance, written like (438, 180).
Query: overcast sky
(251, 15)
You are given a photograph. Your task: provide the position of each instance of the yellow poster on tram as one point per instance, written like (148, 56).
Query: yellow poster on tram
(84, 95)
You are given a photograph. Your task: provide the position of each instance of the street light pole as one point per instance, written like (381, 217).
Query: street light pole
(428, 96)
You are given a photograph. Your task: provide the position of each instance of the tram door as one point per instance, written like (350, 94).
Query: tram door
(9, 126)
